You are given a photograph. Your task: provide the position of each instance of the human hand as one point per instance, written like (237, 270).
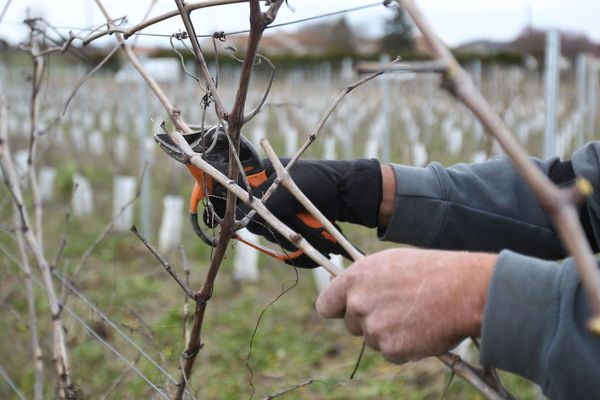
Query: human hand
(411, 303)
(348, 191)
(343, 190)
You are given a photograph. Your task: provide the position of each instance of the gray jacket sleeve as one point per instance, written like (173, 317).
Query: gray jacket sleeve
(478, 207)
(536, 311)
(482, 207)
(535, 325)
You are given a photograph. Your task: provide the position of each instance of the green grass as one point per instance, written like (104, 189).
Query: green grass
(291, 344)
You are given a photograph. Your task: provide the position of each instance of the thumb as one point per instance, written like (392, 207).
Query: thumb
(332, 301)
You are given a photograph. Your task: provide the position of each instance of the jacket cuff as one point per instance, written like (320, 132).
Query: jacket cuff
(419, 210)
(521, 315)
(585, 161)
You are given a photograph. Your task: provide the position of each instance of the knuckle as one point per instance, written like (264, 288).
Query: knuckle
(388, 342)
(391, 350)
(355, 305)
(353, 325)
(375, 333)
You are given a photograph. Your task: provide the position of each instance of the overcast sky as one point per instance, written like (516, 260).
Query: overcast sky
(456, 21)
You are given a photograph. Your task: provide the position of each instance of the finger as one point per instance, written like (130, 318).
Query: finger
(371, 342)
(269, 165)
(353, 324)
(371, 336)
(332, 301)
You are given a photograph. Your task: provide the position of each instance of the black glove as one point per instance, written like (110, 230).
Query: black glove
(346, 191)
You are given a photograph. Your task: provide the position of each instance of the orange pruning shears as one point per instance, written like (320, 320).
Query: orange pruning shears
(213, 145)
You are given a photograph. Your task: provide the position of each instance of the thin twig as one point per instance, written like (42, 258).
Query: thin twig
(159, 18)
(181, 59)
(129, 363)
(287, 181)
(283, 292)
(471, 375)
(358, 360)
(40, 28)
(248, 117)
(217, 63)
(186, 300)
(144, 18)
(63, 240)
(189, 27)
(36, 348)
(163, 262)
(5, 9)
(238, 162)
(12, 383)
(15, 314)
(491, 376)
(88, 76)
(174, 113)
(258, 23)
(315, 133)
(106, 319)
(289, 389)
(119, 380)
(202, 297)
(415, 66)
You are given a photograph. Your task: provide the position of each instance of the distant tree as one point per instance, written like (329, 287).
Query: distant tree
(341, 38)
(398, 33)
(533, 41)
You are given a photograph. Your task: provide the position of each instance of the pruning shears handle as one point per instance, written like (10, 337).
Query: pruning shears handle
(214, 147)
(255, 180)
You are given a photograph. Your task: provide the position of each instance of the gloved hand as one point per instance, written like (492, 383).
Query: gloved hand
(346, 191)
(343, 190)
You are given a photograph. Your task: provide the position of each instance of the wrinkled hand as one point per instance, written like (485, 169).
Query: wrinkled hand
(411, 303)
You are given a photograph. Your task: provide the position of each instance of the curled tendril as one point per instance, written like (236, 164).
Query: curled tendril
(180, 35)
(221, 36)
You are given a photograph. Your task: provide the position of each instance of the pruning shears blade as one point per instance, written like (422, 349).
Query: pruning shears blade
(165, 142)
(268, 251)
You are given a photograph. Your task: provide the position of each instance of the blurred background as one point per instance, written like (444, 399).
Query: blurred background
(538, 71)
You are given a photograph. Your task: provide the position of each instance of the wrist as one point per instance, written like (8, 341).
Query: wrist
(358, 191)
(388, 196)
(479, 276)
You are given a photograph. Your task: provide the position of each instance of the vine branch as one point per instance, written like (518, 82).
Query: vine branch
(557, 202)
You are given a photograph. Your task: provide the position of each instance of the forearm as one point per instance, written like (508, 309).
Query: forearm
(388, 196)
(535, 325)
(476, 207)
(484, 207)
